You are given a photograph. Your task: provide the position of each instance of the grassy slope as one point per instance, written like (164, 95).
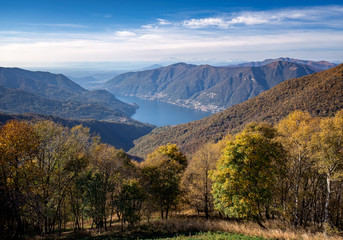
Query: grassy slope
(199, 228)
(214, 236)
(320, 94)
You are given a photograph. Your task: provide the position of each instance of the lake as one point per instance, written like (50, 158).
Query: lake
(162, 114)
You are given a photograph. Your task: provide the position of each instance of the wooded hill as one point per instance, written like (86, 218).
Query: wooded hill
(19, 101)
(47, 93)
(205, 87)
(320, 94)
(117, 134)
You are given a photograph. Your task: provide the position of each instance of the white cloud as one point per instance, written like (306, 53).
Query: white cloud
(206, 22)
(314, 15)
(125, 34)
(248, 20)
(149, 36)
(163, 21)
(224, 23)
(149, 26)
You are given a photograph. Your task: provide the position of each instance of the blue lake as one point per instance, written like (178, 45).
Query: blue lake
(162, 114)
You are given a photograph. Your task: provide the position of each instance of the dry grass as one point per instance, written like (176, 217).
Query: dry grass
(274, 229)
(184, 225)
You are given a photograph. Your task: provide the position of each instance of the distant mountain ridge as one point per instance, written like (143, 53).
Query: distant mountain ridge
(57, 94)
(320, 94)
(205, 87)
(45, 84)
(318, 65)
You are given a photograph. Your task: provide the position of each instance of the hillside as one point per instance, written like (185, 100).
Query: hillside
(320, 94)
(60, 88)
(205, 87)
(118, 134)
(19, 101)
(45, 84)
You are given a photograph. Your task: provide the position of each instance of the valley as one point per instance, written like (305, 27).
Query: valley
(198, 119)
(92, 151)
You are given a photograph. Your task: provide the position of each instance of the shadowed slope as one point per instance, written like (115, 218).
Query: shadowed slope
(117, 134)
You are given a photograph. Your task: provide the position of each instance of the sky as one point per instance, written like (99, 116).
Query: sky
(98, 34)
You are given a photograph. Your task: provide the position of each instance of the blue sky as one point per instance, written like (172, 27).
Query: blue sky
(128, 34)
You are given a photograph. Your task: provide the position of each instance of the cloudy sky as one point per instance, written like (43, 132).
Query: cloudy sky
(135, 33)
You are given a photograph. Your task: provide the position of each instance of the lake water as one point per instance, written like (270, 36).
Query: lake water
(162, 114)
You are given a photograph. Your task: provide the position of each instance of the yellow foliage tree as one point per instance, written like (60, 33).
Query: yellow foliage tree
(196, 180)
(327, 150)
(162, 175)
(18, 148)
(295, 132)
(244, 177)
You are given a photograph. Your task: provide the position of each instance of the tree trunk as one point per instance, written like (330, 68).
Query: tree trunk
(206, 194)
(206, 206)
(267, 212)
(296, 204)
(112, 209)
(327, 205)
(258, 221)
(338, 205)
(167, 211)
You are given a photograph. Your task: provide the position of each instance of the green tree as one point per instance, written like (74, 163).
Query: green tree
(109, 167)
(76, 159)
(129, 202)
(244, 178)
(162, 175)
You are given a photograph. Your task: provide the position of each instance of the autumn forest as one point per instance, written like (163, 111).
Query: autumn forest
(53, 178)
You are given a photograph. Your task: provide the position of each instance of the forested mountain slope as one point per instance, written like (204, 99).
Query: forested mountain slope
(19, 101)
(320, 94)
(205, 87)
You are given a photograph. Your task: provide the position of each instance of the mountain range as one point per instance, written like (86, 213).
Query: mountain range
(46, 93)
(320, 94)
(209, 88)
(318, 65)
